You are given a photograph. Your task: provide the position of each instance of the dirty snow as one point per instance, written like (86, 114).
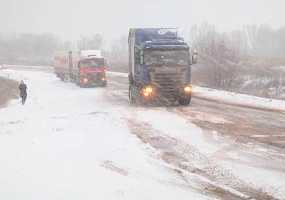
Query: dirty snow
(73, 143)
(239, 99)
(230, 97)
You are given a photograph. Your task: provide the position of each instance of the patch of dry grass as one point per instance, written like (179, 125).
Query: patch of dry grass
(8, 90)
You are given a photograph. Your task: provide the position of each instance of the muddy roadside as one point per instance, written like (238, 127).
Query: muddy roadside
(241, 123)
(199, 171)
(8, 91)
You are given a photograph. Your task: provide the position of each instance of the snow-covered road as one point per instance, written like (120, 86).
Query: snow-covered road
(73, 143)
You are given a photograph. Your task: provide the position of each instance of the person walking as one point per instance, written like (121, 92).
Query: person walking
(23, 92)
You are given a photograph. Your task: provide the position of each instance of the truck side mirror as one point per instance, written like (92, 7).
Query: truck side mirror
(194, 57)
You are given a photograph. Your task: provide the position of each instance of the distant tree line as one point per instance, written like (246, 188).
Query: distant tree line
(240, 60)
(244, 60)
(39, 49)
(27, 48)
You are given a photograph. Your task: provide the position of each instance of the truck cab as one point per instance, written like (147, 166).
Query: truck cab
(88, 68)
(159, 66)
(92, 71)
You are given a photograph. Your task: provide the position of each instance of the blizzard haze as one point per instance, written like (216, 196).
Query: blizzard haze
(70, 18)
(142, 123)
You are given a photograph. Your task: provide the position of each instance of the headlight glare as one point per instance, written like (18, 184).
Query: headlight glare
(148, 89)
(85, 80)
(187, 89)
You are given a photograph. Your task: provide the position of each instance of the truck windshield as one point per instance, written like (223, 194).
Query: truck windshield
(98, 62)
(169, 57)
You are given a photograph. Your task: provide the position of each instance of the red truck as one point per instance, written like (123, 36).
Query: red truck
(86, 68)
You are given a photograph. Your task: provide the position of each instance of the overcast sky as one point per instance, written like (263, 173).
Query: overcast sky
(72, 18)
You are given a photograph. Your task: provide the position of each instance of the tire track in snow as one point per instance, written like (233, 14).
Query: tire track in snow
(265, 156)
(196, 167)
(213, 172)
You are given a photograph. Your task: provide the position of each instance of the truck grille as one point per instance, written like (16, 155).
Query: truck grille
(95, 76)
(168, 84)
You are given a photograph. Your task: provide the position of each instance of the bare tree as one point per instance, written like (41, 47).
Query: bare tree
(93, 42)
(118, 55)
(219, 55)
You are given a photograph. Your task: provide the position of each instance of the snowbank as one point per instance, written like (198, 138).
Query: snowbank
(239, 99)
(2, 67)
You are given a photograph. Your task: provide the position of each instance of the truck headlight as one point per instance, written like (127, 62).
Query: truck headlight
(147, 91)
(188, 89)
(85, 80)
(146, 94)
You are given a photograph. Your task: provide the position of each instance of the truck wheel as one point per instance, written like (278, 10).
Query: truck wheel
(65, 78)
(62, 77)
(81, 85)
(104, 84)
(77, 81)
(184, 101)
(132, 98)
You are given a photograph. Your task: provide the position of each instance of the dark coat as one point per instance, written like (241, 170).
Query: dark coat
(23, 89)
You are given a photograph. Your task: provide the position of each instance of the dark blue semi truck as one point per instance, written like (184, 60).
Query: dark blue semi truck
(159, 67)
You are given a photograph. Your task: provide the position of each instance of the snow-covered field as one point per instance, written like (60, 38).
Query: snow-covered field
(74, 143)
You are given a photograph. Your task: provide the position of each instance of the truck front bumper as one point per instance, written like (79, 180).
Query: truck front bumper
(93, 80)
(151, 93)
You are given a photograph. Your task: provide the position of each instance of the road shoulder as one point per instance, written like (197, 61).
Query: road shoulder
(8, 91)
